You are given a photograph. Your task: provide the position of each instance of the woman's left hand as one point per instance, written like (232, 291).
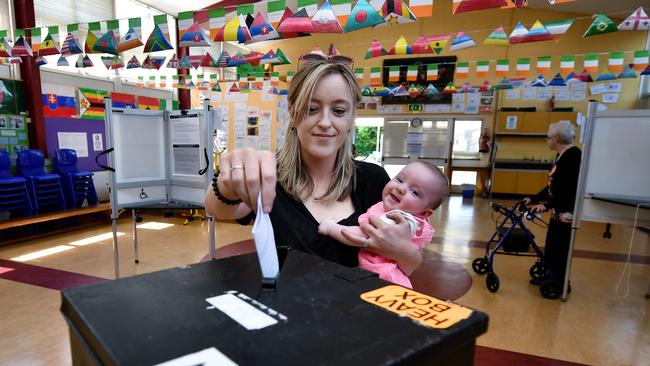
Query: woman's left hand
(390, 241)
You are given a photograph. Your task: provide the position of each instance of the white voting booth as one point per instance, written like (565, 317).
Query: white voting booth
(614, 183)
(158, 159)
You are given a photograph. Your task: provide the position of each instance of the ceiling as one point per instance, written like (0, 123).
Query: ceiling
(612, 7)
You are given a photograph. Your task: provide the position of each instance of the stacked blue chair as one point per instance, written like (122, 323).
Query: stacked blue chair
(44, 189)
(14, 196)
(77, 185)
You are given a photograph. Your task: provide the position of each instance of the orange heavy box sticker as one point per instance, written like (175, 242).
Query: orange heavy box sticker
(426, 310)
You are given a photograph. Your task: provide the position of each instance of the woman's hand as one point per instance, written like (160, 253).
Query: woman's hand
(527, 201)
(538, 208)
(389, 240)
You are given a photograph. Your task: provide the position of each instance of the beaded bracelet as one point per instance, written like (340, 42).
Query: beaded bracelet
(215, 188)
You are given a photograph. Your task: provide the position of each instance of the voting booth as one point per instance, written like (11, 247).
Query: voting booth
(219, 312)
(158, 159)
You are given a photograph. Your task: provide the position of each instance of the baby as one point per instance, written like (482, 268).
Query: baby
(415, 193)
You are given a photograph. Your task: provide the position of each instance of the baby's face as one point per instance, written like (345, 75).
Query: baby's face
(412, 190)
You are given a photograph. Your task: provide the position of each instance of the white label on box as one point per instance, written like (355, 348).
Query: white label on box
(511, 122)
(207, 357)
(242, 312)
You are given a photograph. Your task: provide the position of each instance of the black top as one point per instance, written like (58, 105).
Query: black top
(562, 182)
(294, 226)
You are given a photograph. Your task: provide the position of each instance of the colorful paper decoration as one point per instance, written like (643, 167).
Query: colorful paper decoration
(107, 61)
(503, 67)
(646, 71)
(467, 88)
(261, 29)
(21, 47)
(40, 61)
(519, 34)
(195, 60)
(421, 8)
(438, 42)
(401, 47)
(236, 59)
(91, 103)
(375, 76)
(482, 69)
(83, 61)
(133, 63)
(296, 23)
(395, 12)
(523, 67)
(449, 89)
(284, 60)
(636, 21)
(616, 62)
(606, 75)
(601, 25)
(62, 61)
(286, 15)
(567, 64)
(123, 100)
(194, 36)
(591, 62)
(107, 43)
(421, 46)
(310, 6)
(538, 33)
(558, 28)
(412, 73)
(557, 81)
(519, 3)
(70, 46)
(233, 31)
(544, 64)
(363, 15)
(216, 87)
(35, 39)
(462, 70)
(159, 38)
(48, 46)
(325, 21)
(497, 38)
(375, 50)
(130, 40)
(462, 6)
(270, 58)
(431, 91)
(173, 62)
(628, 73)
(393, 74)
(94, 32)
(253, 58)
(571, 78)
(415, 90)
(539, 82)
(432, 72)
(367, 92)
(461, 42)
(485, 87)
(640, 60)
(153, 62)
(400, 91)
(585, 77)
(381, 91)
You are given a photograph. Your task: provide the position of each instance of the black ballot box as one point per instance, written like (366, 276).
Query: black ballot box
(323, 314)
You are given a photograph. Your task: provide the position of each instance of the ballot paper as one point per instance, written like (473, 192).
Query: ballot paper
(265, 242)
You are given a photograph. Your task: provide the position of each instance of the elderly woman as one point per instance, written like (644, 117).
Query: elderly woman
(560, 196)
(314, 177)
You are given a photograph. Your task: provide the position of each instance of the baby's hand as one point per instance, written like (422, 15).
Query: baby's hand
(326, 227)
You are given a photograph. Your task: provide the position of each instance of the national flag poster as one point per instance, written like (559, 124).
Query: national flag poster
(58, 100)
(148, 103)
(91, 103)
(123, 100)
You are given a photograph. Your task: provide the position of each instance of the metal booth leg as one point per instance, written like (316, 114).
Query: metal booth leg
(135, 236)
(116, 250)
(211, 239)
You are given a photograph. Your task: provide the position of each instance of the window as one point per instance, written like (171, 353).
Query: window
(467, 134)
(62, 12)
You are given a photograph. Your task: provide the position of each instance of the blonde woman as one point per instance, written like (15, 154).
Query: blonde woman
(313, 177)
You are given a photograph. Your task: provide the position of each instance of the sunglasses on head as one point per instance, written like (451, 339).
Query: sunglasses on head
(336, 59)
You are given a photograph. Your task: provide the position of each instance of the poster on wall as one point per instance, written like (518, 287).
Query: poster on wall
(240, 125)
(252, 126)
(74, 140)
(13, 133)
(266, 117)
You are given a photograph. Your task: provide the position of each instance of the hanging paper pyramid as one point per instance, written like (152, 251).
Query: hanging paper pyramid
(381, 91)
(462, 6)
(399, 91)
(601, 25)
(557, 81)
(286, 15)
(449, 89)
(421, 46)
(222, 60)
(133, 63)
(117, 63)
(195, 60)
(558, 28)
(107, 61)
(467, 88)
(216, 87)
(284, 60)
(5, 48)
(84, 61)
(431, 91)
(585, 77)
(48, 47)
(332, 51)
(106, 43)
(194, 36)
(325, 21)
(504, 84)
(438, 42)
(153, 62)
(208, 61)
(91, 39)
(236, 60)
(636, 21)
(485, 87)
(415, 90)
(461, 42)
(367, 92)
(396, 12)
(519, 3)
(518, 34)
(401, 47)
(375, 50)
(628, 73)
(537, 33)
(606, 75)
(157, 41)
(21, 48)
(363, 15)
(40, 61)
(190, 85)
(296, 23)
(184, 63)
(70, 46)
(62, 61)
(261, 30)
(317, 51)
(646, 71)
(497, 38)
(129, 41)
(571, 76)
(540, 82)
(253, 58)
(173, 62)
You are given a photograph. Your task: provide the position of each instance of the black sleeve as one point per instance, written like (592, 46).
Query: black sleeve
(565, 181)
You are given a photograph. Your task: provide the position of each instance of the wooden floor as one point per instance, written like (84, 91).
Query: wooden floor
(601, 323)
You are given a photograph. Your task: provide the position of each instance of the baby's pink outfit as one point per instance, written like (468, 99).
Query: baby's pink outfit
(387, 268)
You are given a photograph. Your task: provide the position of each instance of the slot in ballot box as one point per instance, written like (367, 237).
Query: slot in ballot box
(320, 313)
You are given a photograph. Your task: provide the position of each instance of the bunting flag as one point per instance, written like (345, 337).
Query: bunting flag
(628, 73)
(184, 63)
(421, 46)
(544, 64)
(497, 38)
(253, 58)
(195, 60)
(261, 30)
(208, 61)
(567, 64)
(232, 32)
(296, 23)
(636, 21)
(194, 36)
(585, 77)
(269, 58)
(133, 36)
(485, 87)
(538, 33)
(400, 91)
(274, 11)
(363, 15)
(375, 76)
(432, 72)
(21, 47)
(173, 62)
(461, 42)
(519, 34)
(153, 62)
(291, 74)
(640, 60)
(467, 88)
(646, 71)
(395, 12)
(107, 61)
(482, 69)
(174, 81)
(133, 63)
(83, 61)
(519, 3)
(572, 78)
(49, 46)
(324, 21)
(557, 81)
(503, 67)
(236, 60)
(114, 25)
(438, 42)
(415, 90)
(58, 101)
(523, 67)
(462, 70)
(591, 62)
(380, 91)
(616, 62)
(358, 73)
(159, 38)
(286, 15)
(449, 89)
(431, 91)
(421, 8)
(91, 103)
(40, 61)
(601, 25)
(275, 78)
(117, 63)
(107, 43)
(412, 73)
(216, 21)
(284, 60)
(462, 6)
(540, 82)
(401, 47)
(342, 9)
(606, 75)
(185, 20)
(35, 36)
(558, 28)
(367, 92)
(152, 81)
(62, 61)
(310, 6)
(94, 32)
(216, 87)
(5, 46)
(393, 74)
(123, 100)
(70, 44)
(375, 50)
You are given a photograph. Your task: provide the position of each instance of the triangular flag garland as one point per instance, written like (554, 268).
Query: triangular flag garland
(401, 47)
(363, 15)
(591, 62)
(107, 43)
(21, 47)
(132, 38)
(558, 28)
(640, 60)
(421, 46)
(557, 81)
(375, 50)
(519, 34)
(94, 32)
(133, 63)
(497, 38)
(540, 82)
(325, 21)
(49, 46)
(606, 75)
(159, 38)
(636, 21)
(544, 64)
(461, 42)
(438, 42)
(538, 33)
(462, 6)
(62, 62)
(601, 25)
(396, 12)
(628, 73)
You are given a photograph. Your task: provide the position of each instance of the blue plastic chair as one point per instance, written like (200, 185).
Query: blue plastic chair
(77, 185)
(14, 196)
(44, 189)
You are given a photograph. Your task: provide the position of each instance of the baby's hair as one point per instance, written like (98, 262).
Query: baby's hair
(443, 184)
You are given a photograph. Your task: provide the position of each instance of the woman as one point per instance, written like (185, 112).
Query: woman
(560, 196)
(315, 177)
